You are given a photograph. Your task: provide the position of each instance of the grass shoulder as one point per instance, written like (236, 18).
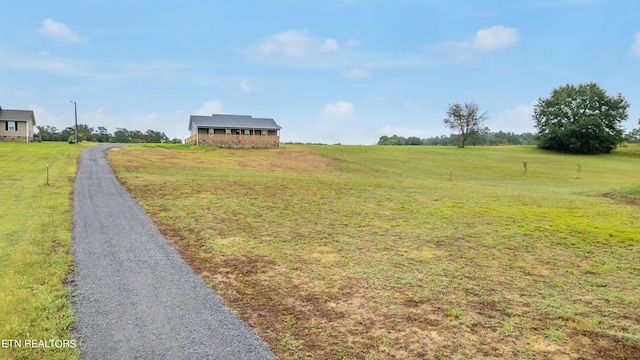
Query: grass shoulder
(35, 248)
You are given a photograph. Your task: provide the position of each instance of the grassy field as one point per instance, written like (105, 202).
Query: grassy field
(361, 252)
(35, 247)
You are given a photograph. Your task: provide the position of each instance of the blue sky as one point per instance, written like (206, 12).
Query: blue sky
(329, 71)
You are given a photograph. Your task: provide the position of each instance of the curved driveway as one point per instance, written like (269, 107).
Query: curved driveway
(136, 298)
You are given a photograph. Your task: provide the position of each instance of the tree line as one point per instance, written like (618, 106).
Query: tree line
(486, 139)
(579, 119)
(102, 135)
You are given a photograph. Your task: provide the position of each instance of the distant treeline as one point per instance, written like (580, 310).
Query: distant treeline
(100, 134)
(488, 139)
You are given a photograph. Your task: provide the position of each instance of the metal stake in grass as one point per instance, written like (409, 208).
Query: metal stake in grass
(524, 164)
(47, 174)
(579, 170)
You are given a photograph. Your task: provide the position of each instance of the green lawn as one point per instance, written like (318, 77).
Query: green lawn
(409, 252)
(35, 247)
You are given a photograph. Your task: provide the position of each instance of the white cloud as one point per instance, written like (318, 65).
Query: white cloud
(496, 37)
(356, 73)
(338, 110)
(43, 117)
(635, 48)
(330, 45)
(517, 119)
(211, 107)
(247, 86)
(60, 32)
(293, 44)
(485, 40)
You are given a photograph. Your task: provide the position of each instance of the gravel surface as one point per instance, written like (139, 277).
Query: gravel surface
(136, 298)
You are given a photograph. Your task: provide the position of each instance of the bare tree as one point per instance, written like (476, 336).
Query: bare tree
(465, 120)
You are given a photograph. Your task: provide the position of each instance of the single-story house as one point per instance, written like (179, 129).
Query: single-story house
(16, 125)
(235, 131)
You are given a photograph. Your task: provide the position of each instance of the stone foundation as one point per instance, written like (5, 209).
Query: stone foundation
(13, 138)
(236, 141)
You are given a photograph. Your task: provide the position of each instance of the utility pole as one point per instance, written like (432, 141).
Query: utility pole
(75, 110)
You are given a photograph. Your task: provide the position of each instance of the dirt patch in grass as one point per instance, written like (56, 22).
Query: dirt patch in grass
(293, 319)
(289, 159)
(628, 200)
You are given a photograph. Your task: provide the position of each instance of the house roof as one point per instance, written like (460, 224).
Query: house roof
(17, 115)
(232, 121)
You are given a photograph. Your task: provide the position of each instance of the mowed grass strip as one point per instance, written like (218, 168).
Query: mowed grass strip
(365, 252)
(35, 248)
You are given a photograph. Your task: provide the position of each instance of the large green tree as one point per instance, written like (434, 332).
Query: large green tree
(634, 136)
(580, 119)
(48, 133)
(466, 120)
(152, 136)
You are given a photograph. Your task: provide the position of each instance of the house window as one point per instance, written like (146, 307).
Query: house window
(228, 131)
(263, 132)
(12, 126)
(247, 132)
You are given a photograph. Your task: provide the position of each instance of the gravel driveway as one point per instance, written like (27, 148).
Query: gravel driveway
(136, 298)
